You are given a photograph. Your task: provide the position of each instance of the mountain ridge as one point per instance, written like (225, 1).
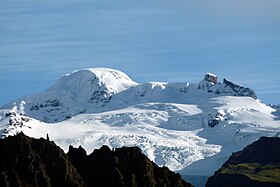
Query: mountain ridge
(179, 125)
(91, 90)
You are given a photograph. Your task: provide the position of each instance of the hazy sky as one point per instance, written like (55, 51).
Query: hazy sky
(149, 40)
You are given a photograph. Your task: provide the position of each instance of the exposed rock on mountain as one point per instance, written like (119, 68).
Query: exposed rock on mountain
(237, 90)
(26, 161)
(257, 165)
(210, 84)
(208, 81)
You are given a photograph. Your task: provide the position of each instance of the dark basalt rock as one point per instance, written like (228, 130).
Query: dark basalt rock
(210, 84)
(27, 161)
(48, 103)
(257, 165)
(239, 90)
(126, 166)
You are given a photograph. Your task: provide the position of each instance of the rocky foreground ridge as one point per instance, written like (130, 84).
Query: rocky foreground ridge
(27, 161)
(257, 165)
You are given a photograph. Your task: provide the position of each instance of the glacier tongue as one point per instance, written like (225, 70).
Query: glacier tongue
(190, 128)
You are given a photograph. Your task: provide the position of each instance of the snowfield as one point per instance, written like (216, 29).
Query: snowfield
(190, 128)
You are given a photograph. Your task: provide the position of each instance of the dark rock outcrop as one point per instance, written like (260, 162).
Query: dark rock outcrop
(210, 84)
(126, 166)
(27, 161)
(238, 90)
(257, 165)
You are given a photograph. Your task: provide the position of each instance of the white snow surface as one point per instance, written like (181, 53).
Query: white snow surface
(168, 121)
(115, 81)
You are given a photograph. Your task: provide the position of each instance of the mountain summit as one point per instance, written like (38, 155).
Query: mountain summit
(102, 89)
(183, 126)
(95, 79)
(78, 92)
(210, 83)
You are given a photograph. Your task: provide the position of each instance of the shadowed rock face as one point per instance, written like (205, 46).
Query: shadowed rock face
(125, 166)
(26, 161)
(239, 90)
(257, 165)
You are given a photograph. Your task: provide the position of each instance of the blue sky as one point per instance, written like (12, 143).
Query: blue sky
(156, 40)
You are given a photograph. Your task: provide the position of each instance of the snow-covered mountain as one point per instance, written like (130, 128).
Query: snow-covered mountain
(191, 128)
(82, 91)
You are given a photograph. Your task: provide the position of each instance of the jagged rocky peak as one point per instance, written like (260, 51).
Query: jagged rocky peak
(238, 89)
(209, 80)
(15, 123)
(210, 84)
